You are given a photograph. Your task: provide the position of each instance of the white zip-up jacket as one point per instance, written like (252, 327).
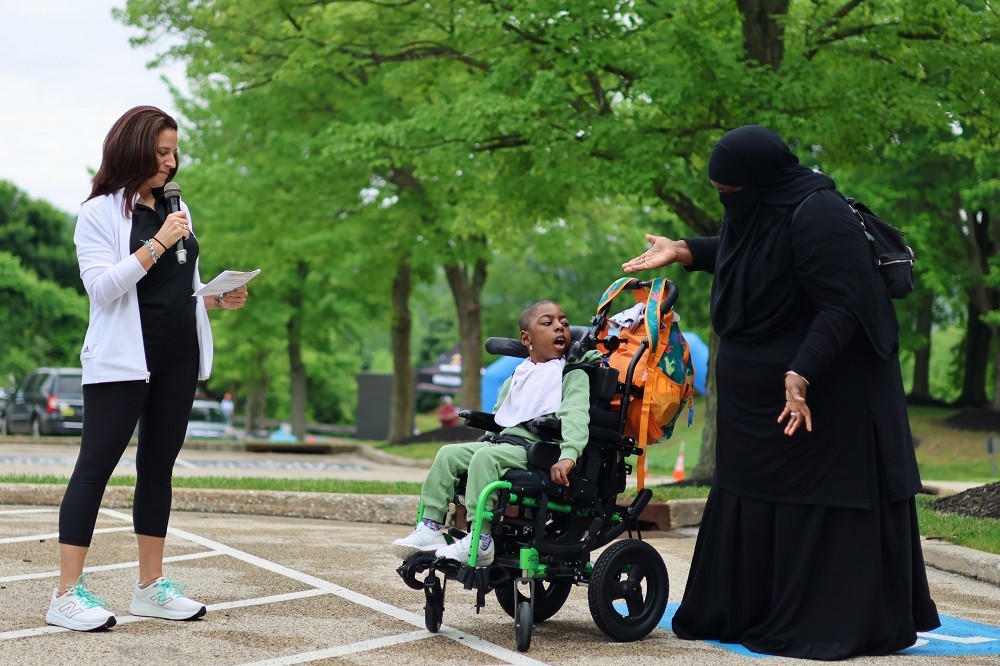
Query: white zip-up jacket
(113, 349)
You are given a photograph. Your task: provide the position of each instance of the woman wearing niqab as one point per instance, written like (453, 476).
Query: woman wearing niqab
(809, 545)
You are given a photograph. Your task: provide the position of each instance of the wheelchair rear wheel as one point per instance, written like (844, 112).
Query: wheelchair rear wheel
(550, 595)
(628, 590)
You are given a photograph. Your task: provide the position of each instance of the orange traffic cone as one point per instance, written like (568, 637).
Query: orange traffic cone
(679, 465)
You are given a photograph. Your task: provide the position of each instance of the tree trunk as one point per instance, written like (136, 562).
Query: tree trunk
(921, 391)
(705, 469)
(702, 224)
(763, 37)
(296, 365)
(981, 300)
(255, 408)
(403, 381)
(467, 286)
(995, 404)
(977, 350)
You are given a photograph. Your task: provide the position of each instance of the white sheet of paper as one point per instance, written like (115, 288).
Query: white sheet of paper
(226, 281)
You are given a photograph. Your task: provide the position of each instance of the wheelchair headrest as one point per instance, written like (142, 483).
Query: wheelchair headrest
(514, 347)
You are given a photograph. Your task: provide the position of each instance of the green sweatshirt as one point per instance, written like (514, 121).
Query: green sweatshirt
(573, 412)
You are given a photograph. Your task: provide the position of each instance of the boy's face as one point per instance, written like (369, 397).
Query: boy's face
(548, 333)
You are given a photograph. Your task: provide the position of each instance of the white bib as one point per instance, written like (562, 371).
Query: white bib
(535, 390)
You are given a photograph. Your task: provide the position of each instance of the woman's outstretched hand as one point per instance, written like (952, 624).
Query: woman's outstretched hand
(663, 251)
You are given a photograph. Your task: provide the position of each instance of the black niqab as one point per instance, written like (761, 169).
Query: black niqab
(756, 233)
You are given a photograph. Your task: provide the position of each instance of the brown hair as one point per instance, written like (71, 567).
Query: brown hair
(129, 157)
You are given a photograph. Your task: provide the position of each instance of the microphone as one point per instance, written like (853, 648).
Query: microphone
(172, 191)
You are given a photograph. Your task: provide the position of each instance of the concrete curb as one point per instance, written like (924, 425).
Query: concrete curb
(401, 510)
(961, 560)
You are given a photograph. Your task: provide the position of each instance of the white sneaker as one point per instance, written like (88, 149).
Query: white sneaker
(424, 539)
(163, 598)
(460, 551)
(79, 610)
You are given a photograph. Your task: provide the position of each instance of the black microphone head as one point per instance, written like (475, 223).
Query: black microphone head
(171, 189)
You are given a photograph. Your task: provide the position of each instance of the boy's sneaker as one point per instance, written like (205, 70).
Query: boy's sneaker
(424, 539)
(460, 551)
(163, 598)
(79, 610)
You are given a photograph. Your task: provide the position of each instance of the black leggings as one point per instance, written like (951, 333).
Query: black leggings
(162, 406)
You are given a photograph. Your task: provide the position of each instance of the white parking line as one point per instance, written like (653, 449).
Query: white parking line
(11, 512)
(128, 619)
(342, 650)
(473, 642)
(109, 567)
(321, 587)
(55, 535)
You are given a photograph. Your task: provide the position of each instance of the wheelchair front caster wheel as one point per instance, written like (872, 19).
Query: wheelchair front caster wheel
(549, 598)
(523, 625)
(434, 605)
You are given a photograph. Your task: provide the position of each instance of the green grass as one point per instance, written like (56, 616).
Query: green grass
(947, 454)
(250, 483)
(943, 453)
(978, 533)
(662, 455)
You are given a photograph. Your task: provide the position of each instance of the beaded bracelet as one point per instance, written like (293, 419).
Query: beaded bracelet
(152, 251)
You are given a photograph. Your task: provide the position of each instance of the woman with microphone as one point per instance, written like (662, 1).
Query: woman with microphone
(148, 343)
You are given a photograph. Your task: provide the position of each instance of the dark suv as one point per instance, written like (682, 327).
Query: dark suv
(48, 402)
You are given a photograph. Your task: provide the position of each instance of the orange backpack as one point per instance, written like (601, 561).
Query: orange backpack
(663, 376)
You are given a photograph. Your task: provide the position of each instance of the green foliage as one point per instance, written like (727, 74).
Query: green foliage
(331, 140)
(41, 323)
(40, 236)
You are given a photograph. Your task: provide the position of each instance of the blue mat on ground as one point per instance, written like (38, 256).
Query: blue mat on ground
(955, 637)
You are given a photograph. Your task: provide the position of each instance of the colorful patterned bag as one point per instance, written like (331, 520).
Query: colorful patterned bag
(663, 377)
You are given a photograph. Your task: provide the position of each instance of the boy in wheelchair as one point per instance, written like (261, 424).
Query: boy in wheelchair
(542, 492)
(539, 387)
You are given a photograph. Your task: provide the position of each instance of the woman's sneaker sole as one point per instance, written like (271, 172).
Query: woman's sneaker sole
(150, 610)
(60, 620)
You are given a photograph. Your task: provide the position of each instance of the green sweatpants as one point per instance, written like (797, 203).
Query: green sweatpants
(485, 461)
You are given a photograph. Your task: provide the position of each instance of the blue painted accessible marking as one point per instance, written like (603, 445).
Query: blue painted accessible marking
(954, 638)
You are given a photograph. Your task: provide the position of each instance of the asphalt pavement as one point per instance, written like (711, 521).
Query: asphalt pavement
(323, 589)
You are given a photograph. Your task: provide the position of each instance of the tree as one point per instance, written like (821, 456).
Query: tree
(40, 236)
(505, 116)
(41, 323)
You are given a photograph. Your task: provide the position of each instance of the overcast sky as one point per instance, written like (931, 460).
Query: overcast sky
(67, 72)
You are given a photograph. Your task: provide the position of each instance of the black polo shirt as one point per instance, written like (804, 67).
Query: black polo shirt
(166, 306)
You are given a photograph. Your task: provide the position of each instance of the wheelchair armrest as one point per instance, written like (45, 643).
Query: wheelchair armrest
(480, 420)
(548, 427)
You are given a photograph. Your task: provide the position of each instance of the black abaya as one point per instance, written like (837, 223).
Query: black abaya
(809, 544)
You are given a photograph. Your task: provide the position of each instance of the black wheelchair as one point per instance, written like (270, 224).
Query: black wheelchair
(545, 533)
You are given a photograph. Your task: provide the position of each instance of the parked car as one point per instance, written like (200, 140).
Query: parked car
(48, 402)
(208, 422)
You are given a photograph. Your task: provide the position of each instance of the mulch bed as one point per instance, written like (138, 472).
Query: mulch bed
(980, 502)
(459, 433)
(980, 419)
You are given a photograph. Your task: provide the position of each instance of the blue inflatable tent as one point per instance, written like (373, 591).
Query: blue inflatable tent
(493, 377)
(699, 356)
